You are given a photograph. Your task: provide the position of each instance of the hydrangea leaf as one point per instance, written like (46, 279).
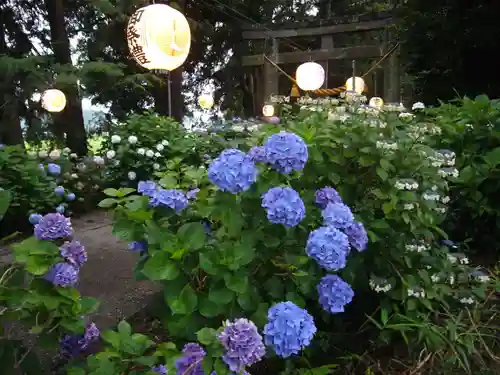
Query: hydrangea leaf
(160, 267)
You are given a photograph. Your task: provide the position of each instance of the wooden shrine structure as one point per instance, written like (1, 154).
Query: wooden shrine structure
(365, 39)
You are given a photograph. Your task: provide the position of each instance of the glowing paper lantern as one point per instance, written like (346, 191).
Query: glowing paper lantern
(310, 76)
(268, 110)
(376, 102)
(359, 86)
(206, 101)
(53, 100)
(159, 37)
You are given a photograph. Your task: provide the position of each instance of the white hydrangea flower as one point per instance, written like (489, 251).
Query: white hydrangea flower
(131, 175)
(73, 155)
(150, 153)
(55, 154)
(156, 166)
(417, 293)
(79, 186)
(141, 151)
(417, 105)
(164, 142)
(445, 200)
(408, 206)
(435, 278)
(105, 134)
(483, 278)
(406, 116)
(380, 287)
(98, 160)
(111, 154)
(160, 147)
(386, 145)
(452, 258)
(132, 140)
(157, 154)
(42, 154)
(74, 176)
(467, 301)
(115, 139)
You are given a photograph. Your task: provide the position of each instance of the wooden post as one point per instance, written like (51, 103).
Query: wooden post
(392, 92)
(270, 73)
(326, 44)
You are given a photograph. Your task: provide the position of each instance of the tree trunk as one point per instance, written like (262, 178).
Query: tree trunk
(70, 120)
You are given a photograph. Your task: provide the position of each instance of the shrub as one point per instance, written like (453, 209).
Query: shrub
(228, 255)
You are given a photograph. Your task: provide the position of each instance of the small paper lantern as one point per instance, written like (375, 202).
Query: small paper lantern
(310, 76)
(376, 102)
(206, 101)
(159, 37)
(53, 100)
(359, 86)
(268, 110)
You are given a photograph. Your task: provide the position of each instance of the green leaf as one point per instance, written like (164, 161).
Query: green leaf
(186, 302)
(192, 235)
(237, 283)
(4, 202)
(208, 308)
(111, 337)
(382, 174)
(206, 336)
(220, 295)
(75, 371)
(38, 265)
(88, 305)
(124, 329)
(107, 203)
(122, 192)
(207, 364)
(492, 158)
(160, 267)
(206, 263)
(111, 192)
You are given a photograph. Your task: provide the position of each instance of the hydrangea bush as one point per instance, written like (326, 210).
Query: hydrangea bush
(343, 201)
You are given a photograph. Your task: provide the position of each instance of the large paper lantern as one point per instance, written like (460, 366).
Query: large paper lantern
(159, 37)
(53, 100)
(206, 101)
(376, 102)
(359, 86)
(310, 76)
(268, 110)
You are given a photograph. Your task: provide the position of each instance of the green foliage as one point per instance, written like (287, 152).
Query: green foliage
(382, 165)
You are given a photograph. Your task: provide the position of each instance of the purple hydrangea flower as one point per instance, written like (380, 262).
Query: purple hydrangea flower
(258, 154)
(73, 345)
(275, 120)
(283, 206)
(138, 246)
(190, 362)
(173, 198)
(160, 369)
(289, 329)
(147, 188)
(233, 171)
(191, 194)
(74, 253)
(60, 209)
(356, 233)
(329, 247)
(243, 344)
(70, 197)
(35, 218)
(63, 275)
(334, 293)
(206, 226)
(59, 190)
(286, 152)
(54, 169)
(327, 195)
(337, 215)
(53, 226)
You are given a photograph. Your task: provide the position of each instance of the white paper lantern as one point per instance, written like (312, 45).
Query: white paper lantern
(376, 102)
(359, 86)
(159, 37)
(268, 110)
(53, 100)
(310, 76)
(206, 101)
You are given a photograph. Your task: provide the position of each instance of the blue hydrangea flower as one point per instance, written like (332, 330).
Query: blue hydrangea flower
(329, 247)
(286, 152)
(53, 226)
(41, 166)
(54, 169)
(258, 154)
(173, 198)
(60, 209)
(73, 252)
(59, 190)
(289, 329)
(190, 362)
(63, 275)
(160, 369)
(138, 246)
(147, 188)
(356, 233)
(73, 345)
(327, 195)
(337, 215)
(243, 344)
(34, 218)
(206, 226)
(70, 197)
(191, 194)
(283, 206)
(233, 171)
(334, 293)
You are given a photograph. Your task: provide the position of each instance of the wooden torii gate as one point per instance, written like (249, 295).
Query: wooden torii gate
(264, 76)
